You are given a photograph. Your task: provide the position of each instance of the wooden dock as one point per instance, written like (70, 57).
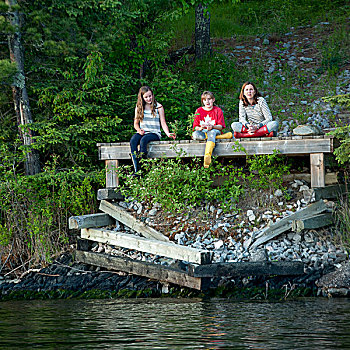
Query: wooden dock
(316, 147)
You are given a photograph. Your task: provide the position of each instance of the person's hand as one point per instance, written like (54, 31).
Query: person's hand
(172, 135)
(141, 132)
(252, 129)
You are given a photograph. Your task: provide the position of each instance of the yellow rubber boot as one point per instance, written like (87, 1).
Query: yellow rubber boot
(228, 135)
(208, 152)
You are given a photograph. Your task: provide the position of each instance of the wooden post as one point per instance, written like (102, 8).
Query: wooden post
(112, 180)
(317, 170)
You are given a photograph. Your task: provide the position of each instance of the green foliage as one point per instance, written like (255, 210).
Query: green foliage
(343, 100)
(342, 133)
(7, 71)
(342, 219)
(177, 185)
(267, 171)
(34, 209)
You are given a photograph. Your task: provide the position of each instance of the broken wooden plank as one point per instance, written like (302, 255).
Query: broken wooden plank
(127, 219)
(258, 268)
(285, 224)
(142, 268)
(312, 222)
(167, 249)
(90, 221)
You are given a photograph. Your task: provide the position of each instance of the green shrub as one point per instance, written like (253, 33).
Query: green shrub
(34, 211)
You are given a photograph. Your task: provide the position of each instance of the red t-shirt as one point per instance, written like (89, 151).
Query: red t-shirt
(213, 117)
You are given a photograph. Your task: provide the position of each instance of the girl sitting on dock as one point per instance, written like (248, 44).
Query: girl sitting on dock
(149, 116)
(208, 123)
(255, 118)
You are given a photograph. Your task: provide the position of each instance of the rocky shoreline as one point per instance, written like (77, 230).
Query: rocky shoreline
(228, 236)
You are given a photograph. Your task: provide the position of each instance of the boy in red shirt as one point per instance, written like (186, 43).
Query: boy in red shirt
(208, 124)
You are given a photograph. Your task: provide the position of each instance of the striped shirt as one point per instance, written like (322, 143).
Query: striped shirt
(258, 114)
(151, 123)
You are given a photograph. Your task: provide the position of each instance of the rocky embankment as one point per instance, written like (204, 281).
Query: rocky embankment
(227, 235)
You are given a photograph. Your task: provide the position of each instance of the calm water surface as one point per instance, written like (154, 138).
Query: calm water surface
(175, 324)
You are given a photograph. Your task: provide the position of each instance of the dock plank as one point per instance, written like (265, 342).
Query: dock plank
(259, 268)
(166, 249)
(142, 268)
(223, 148)
(127, 219)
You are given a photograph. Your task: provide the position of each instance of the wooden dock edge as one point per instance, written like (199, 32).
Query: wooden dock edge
(258, 268)
(129, 241)
(142, 268)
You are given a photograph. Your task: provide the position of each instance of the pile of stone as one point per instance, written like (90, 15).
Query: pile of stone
(230, 235)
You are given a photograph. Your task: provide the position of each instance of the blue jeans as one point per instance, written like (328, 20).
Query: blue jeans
(143, 141)
(201, 134)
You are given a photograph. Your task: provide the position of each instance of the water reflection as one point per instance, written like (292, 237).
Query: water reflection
(175, 324)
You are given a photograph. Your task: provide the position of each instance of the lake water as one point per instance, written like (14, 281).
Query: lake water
(175, 324)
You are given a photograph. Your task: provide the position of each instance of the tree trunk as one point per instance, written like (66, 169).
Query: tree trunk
(202, 31)
(20, 95)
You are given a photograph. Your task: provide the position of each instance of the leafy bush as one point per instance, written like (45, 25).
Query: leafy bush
(34, 211)
(178, 185)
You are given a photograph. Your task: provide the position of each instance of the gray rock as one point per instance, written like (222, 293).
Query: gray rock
(306, 59)
(306, 130)
(152, 212)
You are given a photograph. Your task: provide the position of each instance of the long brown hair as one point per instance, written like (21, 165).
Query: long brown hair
(244, 99)
(141, 103)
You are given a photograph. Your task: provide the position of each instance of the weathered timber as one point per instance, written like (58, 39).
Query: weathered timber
(111, 169)
(90, 221)
(259, 268)
(141, 268)
(127, 219)
(317, 170)
(329, 192)
(172, 149)
(285, 224)
(109, 193)
(312, 222)
(296, 146)
(167, 249)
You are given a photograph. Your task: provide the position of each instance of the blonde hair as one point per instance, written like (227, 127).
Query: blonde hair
(140, 106)
(205, 94)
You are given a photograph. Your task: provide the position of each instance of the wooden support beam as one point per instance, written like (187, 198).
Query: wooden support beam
(329, 192)
(285, 224)
(312, 222)
(109, 193)
(127, 219)
(141, 268)
(90, 221)
(112, 179)
(317, 170)
(259, 268)
(167, 249)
